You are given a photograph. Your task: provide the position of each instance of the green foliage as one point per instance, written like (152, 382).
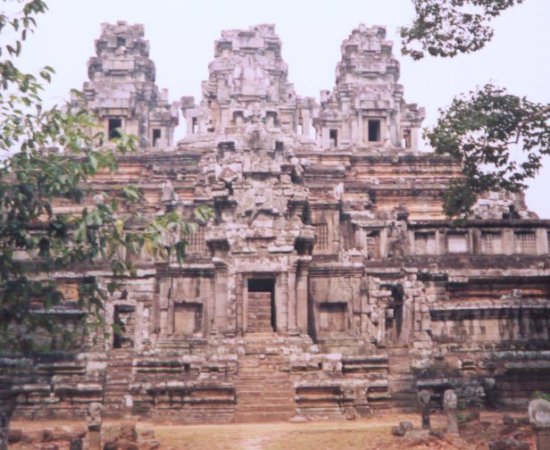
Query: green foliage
(49, 155)
(483, 130)
(446, 28)
(542, 395)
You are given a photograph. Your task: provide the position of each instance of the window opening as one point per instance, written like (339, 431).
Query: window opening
(374, 130)
(115, 125)
(333, 137)
(156, 136)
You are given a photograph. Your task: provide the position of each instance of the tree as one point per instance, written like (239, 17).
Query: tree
(448, 27)
(481, 128)
(48, 156)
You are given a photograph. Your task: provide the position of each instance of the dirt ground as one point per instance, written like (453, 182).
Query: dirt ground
(372, 433)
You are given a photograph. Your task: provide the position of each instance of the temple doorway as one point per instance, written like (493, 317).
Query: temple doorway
(123, 326)
(395, 316)
(261, 317)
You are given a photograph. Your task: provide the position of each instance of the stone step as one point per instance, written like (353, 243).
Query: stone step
(251, 417)
(250, 379)
(254, 395)
(263, 405)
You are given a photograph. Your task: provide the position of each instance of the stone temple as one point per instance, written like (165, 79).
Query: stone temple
(329, 283)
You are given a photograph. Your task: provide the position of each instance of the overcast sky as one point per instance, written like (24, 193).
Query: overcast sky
(182, 33)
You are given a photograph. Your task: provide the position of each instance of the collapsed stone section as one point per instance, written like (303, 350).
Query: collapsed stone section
(366, 108)
(122, 90)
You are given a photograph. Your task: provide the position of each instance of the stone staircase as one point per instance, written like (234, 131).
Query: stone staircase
(264, 391)
(117, 383)
(402, 382)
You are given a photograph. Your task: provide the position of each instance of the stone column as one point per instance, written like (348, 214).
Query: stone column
(220, 298)
(450, 404)
(539, 416)
(359, 120)
(240, 318)
(302, 277)
(94, 426)
(424, 397)
(291, 289)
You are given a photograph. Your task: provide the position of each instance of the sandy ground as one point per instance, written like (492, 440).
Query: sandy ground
(366, 434)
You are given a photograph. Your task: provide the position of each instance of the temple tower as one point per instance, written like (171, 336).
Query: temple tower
(122, 90)
(366, 107)
(247, 86)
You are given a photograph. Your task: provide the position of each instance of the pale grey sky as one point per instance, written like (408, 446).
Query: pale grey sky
(182, 33)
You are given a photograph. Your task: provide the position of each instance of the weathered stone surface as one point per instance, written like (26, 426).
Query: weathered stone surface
(329, 284)
(509, 444)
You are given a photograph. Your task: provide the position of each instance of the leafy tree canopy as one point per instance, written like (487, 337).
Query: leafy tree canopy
(48, 157)
(500, 138)
(449, 27)
(484, 129)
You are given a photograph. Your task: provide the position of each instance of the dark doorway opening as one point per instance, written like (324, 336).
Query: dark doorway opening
(374, 130)
(261, 305)
(333, 138)
(395, 316)
(123, 326)
(397, 303)
(115, 124)
(156, 136)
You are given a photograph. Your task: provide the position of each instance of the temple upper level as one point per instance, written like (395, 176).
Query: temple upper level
(366, 107)
(248, 95)
(122, 90)
(248, 85)
(248, 88)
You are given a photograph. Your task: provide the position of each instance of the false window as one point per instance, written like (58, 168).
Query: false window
(457, 243)
(332, 316)
(321, 231)
(491, 243)
(525, 242)
(196, 241)
(424, 243)
(187, 318)
(407, 141)
(194, 125)
(115, 124)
